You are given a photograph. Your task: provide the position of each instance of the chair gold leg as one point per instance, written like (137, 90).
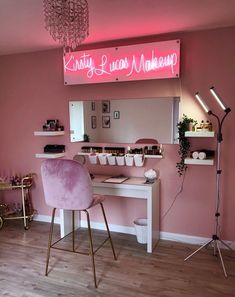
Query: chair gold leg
(107, 228)
(73, 224)
(50, 240)
(91, 246)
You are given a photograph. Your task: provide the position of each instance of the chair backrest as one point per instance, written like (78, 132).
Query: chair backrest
(66, 184)
(147, 141)
(80, 159)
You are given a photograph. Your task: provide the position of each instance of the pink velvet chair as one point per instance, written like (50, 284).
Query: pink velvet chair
(147, 141)
(67, 185)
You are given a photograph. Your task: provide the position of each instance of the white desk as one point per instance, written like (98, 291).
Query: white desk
(134, 187)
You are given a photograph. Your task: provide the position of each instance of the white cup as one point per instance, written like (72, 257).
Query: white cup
(102, 159)
(120, 160)
(129, 160)
(93, 158)
(139, 160)
(111, 160)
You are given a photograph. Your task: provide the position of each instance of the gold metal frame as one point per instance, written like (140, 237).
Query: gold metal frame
(91, 252)
(27, 209)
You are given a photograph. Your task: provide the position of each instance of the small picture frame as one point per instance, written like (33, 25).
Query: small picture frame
(116, 114)
(106, 106)
(93, 105)
(93, 122)
(105, 121)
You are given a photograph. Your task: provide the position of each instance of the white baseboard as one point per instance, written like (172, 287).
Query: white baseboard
(45, 219)
(183, 238)
(113, 228)
(192, 239)
(131, 230)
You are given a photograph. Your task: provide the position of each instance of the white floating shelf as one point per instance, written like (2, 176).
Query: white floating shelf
(198, 161)
(50, 155)
(153, 156)
(200, 134)
(48, 133)
(146, 156)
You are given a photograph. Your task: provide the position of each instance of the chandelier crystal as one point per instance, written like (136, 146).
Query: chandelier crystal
(67, 21)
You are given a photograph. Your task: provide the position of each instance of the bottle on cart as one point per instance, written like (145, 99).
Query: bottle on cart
(206, 126)
(202, 125)
(210, 128)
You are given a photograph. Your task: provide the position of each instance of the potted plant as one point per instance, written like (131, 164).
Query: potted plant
(184, 143)
(86, 138)
(190, 123)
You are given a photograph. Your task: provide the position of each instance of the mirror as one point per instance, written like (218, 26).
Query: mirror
(124, 120)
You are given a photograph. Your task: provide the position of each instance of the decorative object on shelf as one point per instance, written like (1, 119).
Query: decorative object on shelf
(52, 125)
(92, 105)
(184, 143)
(91, 149)
(67, 22)
(190, 123)
(93, 122)
(202, 154)
(150, 175)
(204, 126)
(86, 138)
(215, 240)
(116, 115)
(106, 106)
(138, 150)
(54, 148)
(195, 155)
(105, 121)
(115, 150)
(153, 150)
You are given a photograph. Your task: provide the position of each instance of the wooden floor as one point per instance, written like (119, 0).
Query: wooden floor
(134, 274)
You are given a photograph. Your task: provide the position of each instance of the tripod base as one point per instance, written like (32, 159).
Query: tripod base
(215, 240)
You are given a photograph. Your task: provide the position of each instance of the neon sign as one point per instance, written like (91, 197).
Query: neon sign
(136, 62)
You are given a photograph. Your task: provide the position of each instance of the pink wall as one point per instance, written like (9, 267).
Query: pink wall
(32, 91)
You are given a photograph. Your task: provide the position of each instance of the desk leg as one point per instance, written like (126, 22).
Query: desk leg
(149, 224)
(153, 217)
(66, 221)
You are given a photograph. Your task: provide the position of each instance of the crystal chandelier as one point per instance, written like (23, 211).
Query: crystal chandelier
(67, 21)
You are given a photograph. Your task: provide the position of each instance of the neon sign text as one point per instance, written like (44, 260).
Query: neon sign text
(145, 61)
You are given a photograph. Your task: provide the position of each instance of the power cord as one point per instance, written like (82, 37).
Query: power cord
(176, 196)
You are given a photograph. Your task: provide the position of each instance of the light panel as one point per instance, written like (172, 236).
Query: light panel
(202, 103)
(218, 99)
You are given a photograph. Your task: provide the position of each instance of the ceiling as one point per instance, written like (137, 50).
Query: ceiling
(22, 23)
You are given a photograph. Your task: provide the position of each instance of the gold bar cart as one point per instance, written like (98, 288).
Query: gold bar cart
(27, 212)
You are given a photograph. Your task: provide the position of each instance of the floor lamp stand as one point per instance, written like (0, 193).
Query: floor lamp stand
(216, 241)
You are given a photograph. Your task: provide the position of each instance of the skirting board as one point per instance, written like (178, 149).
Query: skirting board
(131, 230)
(45, 219)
